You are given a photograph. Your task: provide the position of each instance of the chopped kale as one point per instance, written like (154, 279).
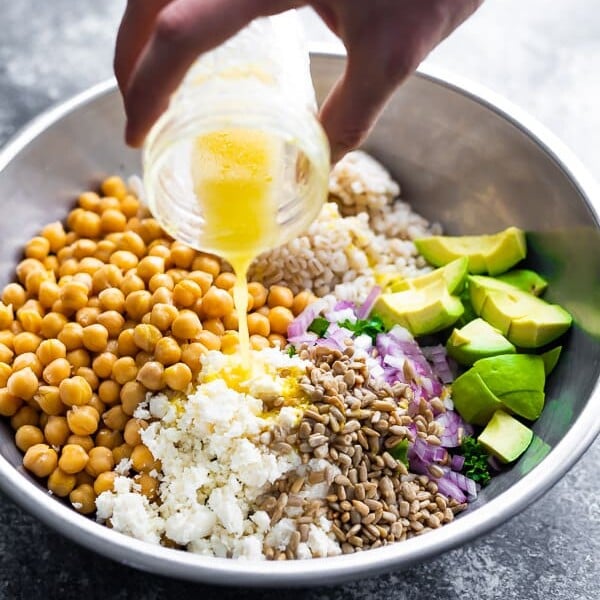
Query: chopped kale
(372, 326)
(476, 465)
(319, 326)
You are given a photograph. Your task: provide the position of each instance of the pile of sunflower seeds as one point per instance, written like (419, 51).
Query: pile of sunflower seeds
(352, 424)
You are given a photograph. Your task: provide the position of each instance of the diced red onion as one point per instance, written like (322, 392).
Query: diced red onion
(428, 452)
(464, 483)
(457, 462)
(452, 423)
(335, 316)
(437, 355)
(394, 361)
(450, 489)
(307, 338)
(342, 304)
(364, 310)
(301, 323)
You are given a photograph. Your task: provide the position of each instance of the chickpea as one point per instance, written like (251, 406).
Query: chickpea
(108, 391)
(280, 318)
(132, 431)
(100, 460)
(87, 224)
(209, 340)
(51, 264)
(207, 263)
(160, 280)
(83, 499)
(217, 303)
(186, 325)
(73, 459)
(112, 299)
(9, 403)
(258, 342)
(6, 338)
(178, 376)
(28, 436)
(107, 276)
(55, 234)
(26, 415)
(225, 280)
(88, 201)
(132, 242)
(214, 326)
(30, 320)
(95, 337)
(85, 441)
(50, 350)
(124, 369)
(83, 420)
(146, 337)
(56, 371)
(204, 280)
(37, 247)
(113, 220)
(48, 399)
(27, 359)
(112, 321)
(40, 459)
(71, 336)
(75, 391)
(16, 328)
(280, 295)
(97, 403)
(88, 374)
(151, 375)
(23, 384)
(191, 355)
(167, 351)
(126, 345)
(103, 364)
(186, 293)
(52, 324)
(258, 324)
(277, 341)
(104, 482)
(89, 265)
(114, 186)
(150, 266)
(137, 304)
(141, 358)
(231, 321)
(104, 249)
(162, 295)
(26, 342)
(34, 282)
(60, 483)
(6, 315)
(56, 430)
(142, 459)
(74, 295)
(84, 250)
(122, 452)
(107, 438)
(132, 394)
(5, 371)
(28, 266)
(160, 248)
(14, 294)
(88, 315)
(79, 358)
(148, 485)
(68, 267)
(163, 315)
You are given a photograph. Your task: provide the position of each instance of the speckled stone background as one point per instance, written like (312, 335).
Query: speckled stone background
(545, 57)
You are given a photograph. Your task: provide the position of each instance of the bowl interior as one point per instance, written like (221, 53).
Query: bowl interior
(458, 161)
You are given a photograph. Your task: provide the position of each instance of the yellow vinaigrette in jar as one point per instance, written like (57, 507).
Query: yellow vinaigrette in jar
(234, 173)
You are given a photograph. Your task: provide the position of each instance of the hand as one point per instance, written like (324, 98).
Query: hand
(386, 40)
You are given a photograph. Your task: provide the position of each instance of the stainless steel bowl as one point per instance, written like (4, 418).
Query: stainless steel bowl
(465, 158)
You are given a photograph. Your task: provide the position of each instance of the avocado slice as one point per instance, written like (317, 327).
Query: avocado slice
(491, 254)
(421, 311)
(504, 437)
(550, 359)
(527, 321)
(477, 340)
(454, 274)
(473, 399)
(526, 280)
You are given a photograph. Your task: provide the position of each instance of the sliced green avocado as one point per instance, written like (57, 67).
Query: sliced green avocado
(527, 321)
(504, 437)
(454, 274)
(477, 340)
(473, 399)
(550, 359)
(421, 311)
(491, 254)
(526, 280)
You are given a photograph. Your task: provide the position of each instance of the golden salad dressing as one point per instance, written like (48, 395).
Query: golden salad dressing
(234, 172)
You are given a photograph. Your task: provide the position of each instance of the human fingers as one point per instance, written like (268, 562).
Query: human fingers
(183, 30)
(134, 31)
(386, 40)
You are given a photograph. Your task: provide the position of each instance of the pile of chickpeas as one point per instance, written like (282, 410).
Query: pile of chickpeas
(104, 311)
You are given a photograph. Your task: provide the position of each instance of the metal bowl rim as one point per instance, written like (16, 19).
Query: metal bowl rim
(175, 563)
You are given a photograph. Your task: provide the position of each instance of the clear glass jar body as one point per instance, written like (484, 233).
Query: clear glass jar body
(258, 81)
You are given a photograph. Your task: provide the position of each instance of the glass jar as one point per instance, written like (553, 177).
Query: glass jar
(258, 86)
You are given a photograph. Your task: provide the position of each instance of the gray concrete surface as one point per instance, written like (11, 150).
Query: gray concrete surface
(545, 57)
